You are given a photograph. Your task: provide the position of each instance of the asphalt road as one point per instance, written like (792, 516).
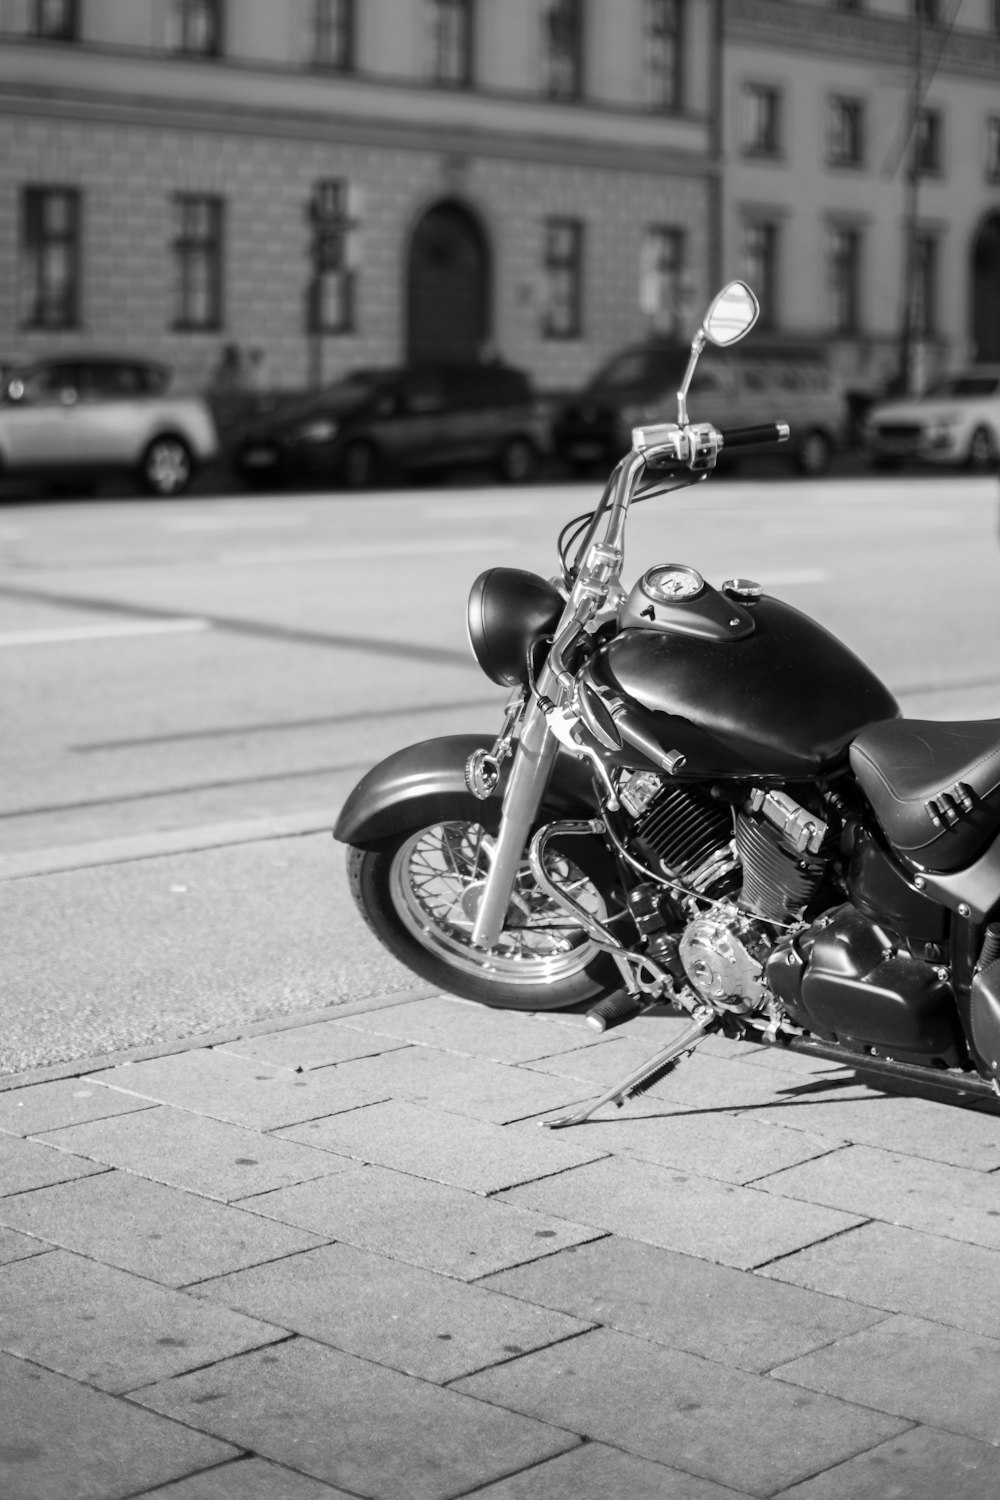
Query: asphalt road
(180, 677)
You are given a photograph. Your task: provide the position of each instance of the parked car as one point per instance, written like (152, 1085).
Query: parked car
(86, 416)
(378, 421)
(957, 421)
(778, 378)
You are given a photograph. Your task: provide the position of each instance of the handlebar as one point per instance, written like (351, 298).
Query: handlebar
(764, 432)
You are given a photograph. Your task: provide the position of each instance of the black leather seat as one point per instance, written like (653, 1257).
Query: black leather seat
(935, 787)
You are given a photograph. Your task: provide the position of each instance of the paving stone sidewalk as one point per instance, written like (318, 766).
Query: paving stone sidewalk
(339, 1257)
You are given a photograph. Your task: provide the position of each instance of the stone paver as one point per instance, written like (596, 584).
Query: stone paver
(640, 1200)
(903, 1271)
(14, 1246)
(463, 1026)
(302, 1048)
(237, 1089)
(922, 1464)
(673, 1408)
(727, 1147)
(722, 1314)
(30, 1164)
(443, 1147)
(957, 1202)
(111, 1329)
(195, 1152)
(155, 1231)
(893, 1122)
(402, 1316)
(356, 1424)
(596, 1472)
(247, 1479)
(423, 1223)
(63, 1441)
(67, 1101)
(450, 1081)
(941, 1376)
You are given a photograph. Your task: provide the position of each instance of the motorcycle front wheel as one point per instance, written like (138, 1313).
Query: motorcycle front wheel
(419, 891)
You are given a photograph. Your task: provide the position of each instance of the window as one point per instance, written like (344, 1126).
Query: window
(563, 279)
(51, 243)
(923, 308)
(56, 20)
(761, 120)
(845, 139)
(995, 17)
(927, 142)
(847, 5)
(759, 266)
(662, 53)
(562, 48)
(843, 277)
(331, 302)
(993, 148)
(451, 42)
(196, 27)
(927, 10)
(661, 271)
(333, 34)
(197, 261)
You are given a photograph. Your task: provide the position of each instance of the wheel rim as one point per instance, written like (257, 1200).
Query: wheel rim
(981, 450)
(168, 467)
(517, 461)
(815, 453)
(435, 880)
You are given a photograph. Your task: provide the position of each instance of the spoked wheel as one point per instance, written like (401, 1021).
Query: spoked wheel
(420, 891)
(167, 467)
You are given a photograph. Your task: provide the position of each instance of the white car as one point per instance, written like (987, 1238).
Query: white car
(956, 422)
(84, 416)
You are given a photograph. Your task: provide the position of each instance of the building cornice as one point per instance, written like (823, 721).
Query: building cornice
(332, 127)
(849, 33)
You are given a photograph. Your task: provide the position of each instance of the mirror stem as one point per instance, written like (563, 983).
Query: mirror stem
(697, 345)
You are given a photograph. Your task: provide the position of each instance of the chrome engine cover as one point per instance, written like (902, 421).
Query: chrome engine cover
(719, 964)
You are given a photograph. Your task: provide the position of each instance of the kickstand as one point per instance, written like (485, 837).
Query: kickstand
(657, 1067)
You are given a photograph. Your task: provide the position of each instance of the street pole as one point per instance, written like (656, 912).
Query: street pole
(911, 208)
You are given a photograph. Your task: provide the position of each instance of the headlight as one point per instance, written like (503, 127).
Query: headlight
(510, 610)
(320, 431)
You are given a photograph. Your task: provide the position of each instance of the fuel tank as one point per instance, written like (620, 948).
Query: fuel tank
(783, 701)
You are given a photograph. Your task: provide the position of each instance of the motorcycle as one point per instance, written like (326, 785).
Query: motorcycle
(698, 798)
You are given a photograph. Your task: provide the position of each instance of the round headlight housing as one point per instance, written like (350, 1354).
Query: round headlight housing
(510, 611)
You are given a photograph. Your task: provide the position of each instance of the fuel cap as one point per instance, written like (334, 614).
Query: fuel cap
(742, 588)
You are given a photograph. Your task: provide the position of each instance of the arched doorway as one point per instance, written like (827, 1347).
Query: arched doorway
(448, 286)
(986, 290)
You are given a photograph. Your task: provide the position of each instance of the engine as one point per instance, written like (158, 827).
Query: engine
(747, 870)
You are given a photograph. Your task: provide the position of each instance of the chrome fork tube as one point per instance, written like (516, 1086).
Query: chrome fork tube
(532, 766)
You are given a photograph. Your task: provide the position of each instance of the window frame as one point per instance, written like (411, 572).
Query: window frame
(852, 108)
(663, 85)
(928, 141)
(764, 145)
(451, 39)
(186, 15)
(336, 21)
(68, 28)
(38, 240)
(331, 256)
(190, 248)
(662, 276)
(925, 287)
(564, 275)
(554, 15)
(766, 284)
(841, 294)
(993, 148)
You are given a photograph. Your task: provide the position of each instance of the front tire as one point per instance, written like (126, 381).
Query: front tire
(518, 461)
(814, 454)
(167, 467)
(418, 893)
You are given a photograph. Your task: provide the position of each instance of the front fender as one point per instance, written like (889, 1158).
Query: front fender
(425, 783)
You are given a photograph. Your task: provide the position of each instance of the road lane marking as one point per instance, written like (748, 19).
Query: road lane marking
(67, 634)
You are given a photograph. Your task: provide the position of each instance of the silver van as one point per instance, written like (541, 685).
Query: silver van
(772, 380)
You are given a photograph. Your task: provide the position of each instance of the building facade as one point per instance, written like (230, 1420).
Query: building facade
(335, 185)
(861, 164)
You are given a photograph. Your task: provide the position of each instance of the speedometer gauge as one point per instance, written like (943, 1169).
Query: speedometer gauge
(670, 582)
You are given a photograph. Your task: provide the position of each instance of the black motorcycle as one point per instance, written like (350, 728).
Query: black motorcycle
(700, 798)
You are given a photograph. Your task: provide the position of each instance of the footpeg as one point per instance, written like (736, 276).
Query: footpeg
(613, 1010)
(658, 1066)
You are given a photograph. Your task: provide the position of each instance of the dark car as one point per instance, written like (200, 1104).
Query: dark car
(377, 422)
(780, 380)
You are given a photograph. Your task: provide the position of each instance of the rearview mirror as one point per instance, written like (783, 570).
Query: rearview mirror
(732, 315)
